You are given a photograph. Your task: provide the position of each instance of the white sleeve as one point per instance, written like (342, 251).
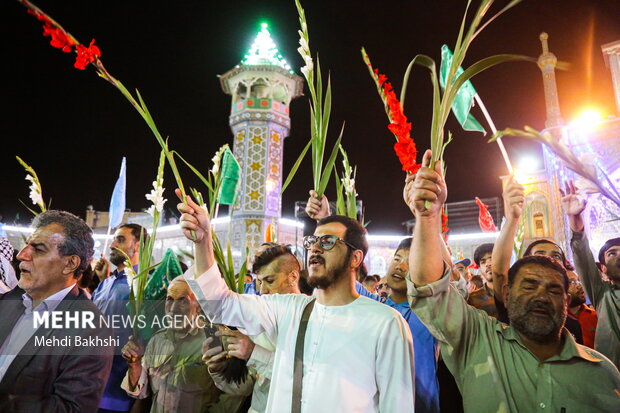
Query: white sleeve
(141, 390)
(394, 367)
(262, 361)
(254, 314)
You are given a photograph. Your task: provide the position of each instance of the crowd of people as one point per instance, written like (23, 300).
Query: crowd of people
(534, 334)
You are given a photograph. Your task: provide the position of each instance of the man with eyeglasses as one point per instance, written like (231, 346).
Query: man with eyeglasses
(356, 354)
(425, 345)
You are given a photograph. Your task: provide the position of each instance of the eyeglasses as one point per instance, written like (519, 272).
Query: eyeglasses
(326, 242)
(575, 282)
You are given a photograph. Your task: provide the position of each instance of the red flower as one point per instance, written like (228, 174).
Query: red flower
(86, 55)
(444, 225)
(60, 38)
(405, 146)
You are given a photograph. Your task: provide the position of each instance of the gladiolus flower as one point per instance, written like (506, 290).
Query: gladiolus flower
(86, 55)
(60, 38)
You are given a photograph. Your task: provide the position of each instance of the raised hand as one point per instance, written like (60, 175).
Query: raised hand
(573, 206)
(194, 219)
(426, 185)
(571, 203)
(514, 199)
(317, 208)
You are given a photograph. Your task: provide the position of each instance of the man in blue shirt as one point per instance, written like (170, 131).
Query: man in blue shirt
(425, 347)
(111, 297)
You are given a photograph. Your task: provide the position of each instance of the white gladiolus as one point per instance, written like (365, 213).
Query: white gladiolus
(35, 191)
(156, 196)
(215, 169)
(304, 45)
(217, 160)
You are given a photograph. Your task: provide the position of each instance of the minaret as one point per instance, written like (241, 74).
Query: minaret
(547, 62)
(262, 88)
(611, 51)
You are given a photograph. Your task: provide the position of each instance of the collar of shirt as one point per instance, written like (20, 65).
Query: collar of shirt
(49, 304)
(392, 303)
(569, 350)
(587, 309)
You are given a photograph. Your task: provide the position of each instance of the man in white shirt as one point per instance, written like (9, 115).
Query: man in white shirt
(357, 354)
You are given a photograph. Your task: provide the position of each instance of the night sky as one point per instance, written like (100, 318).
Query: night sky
(74, 128)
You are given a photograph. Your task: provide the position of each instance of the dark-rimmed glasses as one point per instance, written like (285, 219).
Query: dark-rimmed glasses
(326, 242)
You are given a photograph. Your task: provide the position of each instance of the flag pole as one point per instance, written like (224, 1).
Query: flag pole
(494, 130)
(107, 238)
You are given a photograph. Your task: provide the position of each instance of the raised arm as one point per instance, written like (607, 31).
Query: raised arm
(514, 198)
(254, 313)
(585, 264)
(426, 263)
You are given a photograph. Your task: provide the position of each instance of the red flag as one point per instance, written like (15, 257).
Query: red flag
(485, 220)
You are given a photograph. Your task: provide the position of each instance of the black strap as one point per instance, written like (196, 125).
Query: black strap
(298, 366)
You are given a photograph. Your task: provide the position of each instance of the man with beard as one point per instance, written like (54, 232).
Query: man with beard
(335, 351)
(605, 294)
(171, 368)
(531, 365)
(578, 309)
(111, 297)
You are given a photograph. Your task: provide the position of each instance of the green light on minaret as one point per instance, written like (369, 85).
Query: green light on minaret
(264, 51)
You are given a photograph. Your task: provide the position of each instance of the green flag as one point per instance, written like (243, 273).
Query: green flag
(464, 97)
(231, 173)
(154, 304)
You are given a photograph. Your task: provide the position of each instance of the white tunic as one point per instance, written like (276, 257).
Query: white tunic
(357, 357)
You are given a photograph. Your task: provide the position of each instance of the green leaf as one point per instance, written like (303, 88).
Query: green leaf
(327, 107)
(421, 60)
(194, 170)
(481, 66)
(506, 8)
(242, 272)
(340, 206)
(293, 171)
(35, 213)
(329, 165)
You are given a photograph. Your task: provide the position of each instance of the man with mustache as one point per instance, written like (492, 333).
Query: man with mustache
(171, 368)
(61, 376)
(335, 351)
(424, 344)
(605, 294)
(111, 297)
(532, 365)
